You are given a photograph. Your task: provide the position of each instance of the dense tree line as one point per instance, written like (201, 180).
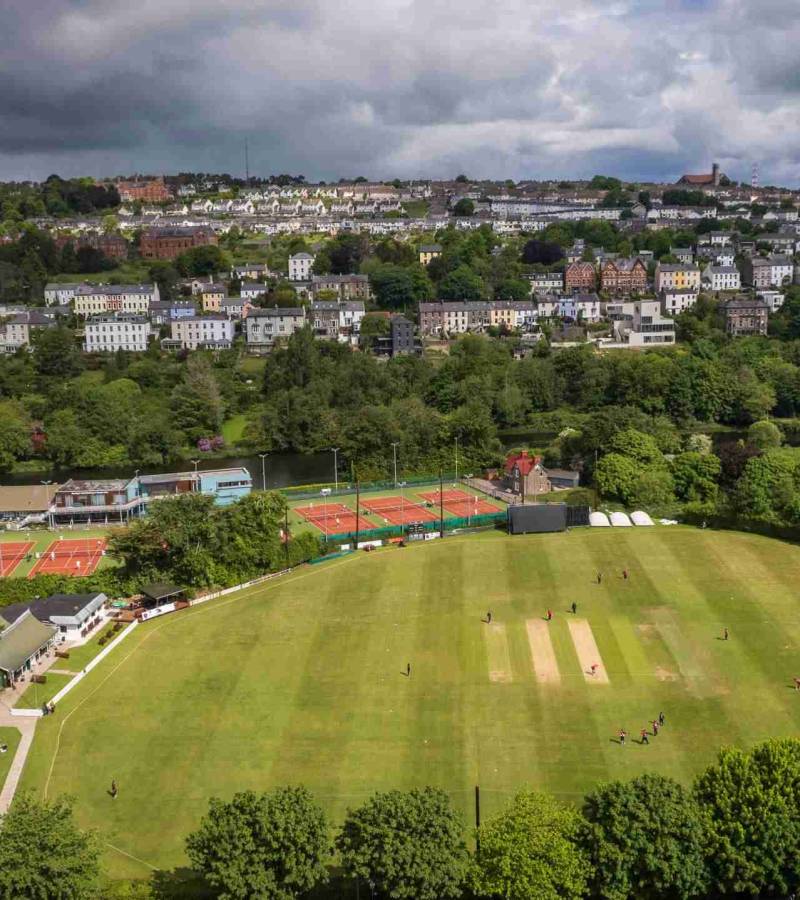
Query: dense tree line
(733, 832)
(189, 541)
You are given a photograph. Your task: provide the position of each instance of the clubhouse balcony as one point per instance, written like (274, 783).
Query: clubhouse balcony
(117, 500)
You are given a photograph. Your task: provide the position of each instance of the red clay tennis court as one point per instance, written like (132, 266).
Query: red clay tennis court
(12, 554)
(79, 556)
(398, 510)
(460, 503)
(331, 518)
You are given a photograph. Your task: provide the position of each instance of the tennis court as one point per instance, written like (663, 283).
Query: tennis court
(11, 555)
(332, 518)
(460, 503)
(398, 510)
(79, 556)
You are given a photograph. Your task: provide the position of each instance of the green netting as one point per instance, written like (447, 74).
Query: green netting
(312, 491)
(451, 524)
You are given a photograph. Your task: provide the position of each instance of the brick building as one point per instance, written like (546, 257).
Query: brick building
(623, 276)
(151, 191)
(580, 276)
(167, 243)
(112, 246)
(745, 315)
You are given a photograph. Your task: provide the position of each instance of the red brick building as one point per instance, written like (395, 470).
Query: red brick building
(167, 243)
(151, 191)
(623, 276)
(112, 246)
(580, 276)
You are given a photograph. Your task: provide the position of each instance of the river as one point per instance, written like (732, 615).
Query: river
(284, 469)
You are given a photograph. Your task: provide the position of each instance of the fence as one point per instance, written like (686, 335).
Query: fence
(312, 491)
(482, 520)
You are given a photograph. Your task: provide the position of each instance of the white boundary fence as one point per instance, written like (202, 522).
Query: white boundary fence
(37, 713)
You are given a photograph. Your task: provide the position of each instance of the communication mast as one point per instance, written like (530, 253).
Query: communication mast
(754, 176)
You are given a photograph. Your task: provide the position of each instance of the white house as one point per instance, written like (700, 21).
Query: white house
(300, 267)
(773, 299)
(263, 327)
(722, 278)
(60, 294)
(251, 290)
(210, 332)
(647, 327)
(118, 331)
(676, 300)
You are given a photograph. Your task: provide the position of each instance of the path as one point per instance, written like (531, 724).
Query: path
(26, 728)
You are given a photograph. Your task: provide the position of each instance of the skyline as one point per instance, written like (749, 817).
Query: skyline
(640, 89)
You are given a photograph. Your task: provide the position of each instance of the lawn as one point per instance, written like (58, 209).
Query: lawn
(233, 429)
(11, 737)
(37, 694)
(302, 680)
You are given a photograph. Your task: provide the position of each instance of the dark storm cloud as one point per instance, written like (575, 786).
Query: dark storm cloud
(514, 88)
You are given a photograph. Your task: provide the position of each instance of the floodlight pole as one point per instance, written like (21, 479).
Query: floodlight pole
(441, 500)
(335, 469)
(358, 513)
(477, 818)
(263, 458)
(394, 453)
(456, 457)
(286, 534)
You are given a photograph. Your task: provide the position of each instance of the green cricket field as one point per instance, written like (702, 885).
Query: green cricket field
(304, 679)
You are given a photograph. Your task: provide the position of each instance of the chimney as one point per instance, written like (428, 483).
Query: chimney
(715, 174)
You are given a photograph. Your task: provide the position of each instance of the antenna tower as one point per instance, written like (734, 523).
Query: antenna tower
(246, 162)
(754, 176)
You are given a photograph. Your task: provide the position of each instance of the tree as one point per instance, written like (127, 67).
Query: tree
(55, 352)
(764, 435)
(544, 252)
(464, 207)
(653, 486)
(196, 401)
(748, 802)
(512, 289)
(461, 179)
(644, 839)
(409, 845)
(461, 284)
(637, 446)
(616, 474)
(44, 854)
(695, 476)
(204, 260)
(272, 845)
(530, 852)
(15, 436)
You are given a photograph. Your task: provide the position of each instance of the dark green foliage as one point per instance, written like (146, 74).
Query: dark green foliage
(409, 844)
(749, 804)
(271, 845)
(190, 541)
(644, 839)
(43, 854)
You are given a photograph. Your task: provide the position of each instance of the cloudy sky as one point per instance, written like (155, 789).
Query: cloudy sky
(410, 88)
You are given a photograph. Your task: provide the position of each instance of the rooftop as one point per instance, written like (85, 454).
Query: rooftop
(94, 486)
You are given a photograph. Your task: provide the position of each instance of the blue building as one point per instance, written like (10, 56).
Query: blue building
(119, 500)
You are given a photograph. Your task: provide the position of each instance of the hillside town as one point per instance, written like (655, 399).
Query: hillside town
(739, 245)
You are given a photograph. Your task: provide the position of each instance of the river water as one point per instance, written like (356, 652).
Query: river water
(284, 469)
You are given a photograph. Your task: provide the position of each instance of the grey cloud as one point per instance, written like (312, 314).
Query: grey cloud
(506, 88)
